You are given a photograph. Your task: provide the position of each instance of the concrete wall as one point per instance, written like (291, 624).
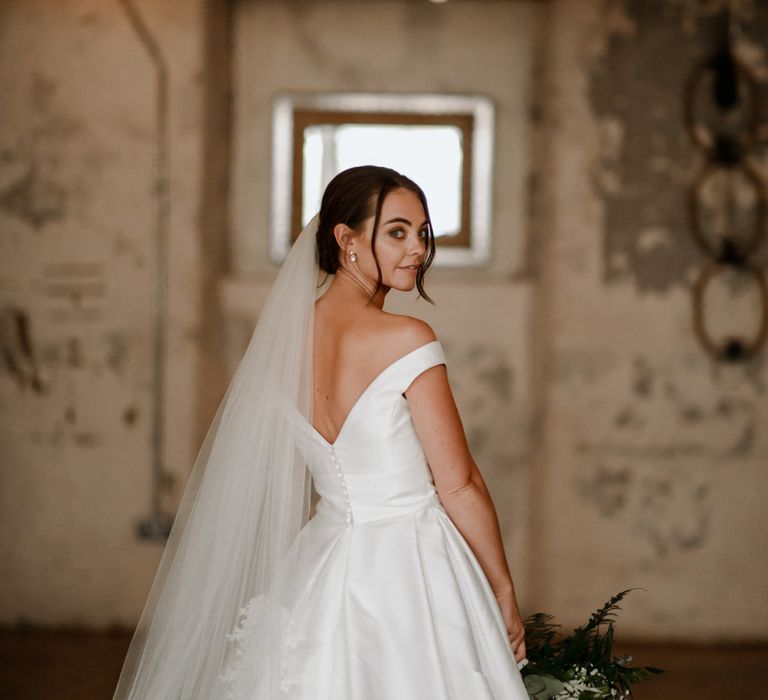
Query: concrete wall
(650, 464)
(618, 453)
(78, 260)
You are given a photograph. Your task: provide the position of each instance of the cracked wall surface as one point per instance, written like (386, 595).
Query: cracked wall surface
(651, 467)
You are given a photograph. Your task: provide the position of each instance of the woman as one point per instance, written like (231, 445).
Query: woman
(398, 587)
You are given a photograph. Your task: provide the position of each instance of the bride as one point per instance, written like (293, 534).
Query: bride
(397, 586)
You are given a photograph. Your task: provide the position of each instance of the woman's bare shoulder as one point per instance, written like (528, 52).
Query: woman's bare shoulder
(407, 333)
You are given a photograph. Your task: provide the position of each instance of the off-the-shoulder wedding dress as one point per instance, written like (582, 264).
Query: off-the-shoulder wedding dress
(386, 601)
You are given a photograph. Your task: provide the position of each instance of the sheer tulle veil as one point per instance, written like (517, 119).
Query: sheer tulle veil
(246, 499)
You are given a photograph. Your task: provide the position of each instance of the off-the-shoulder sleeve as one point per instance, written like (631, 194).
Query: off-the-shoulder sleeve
(420, 360)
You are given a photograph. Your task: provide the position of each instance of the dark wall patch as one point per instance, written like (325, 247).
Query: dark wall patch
(637, 87)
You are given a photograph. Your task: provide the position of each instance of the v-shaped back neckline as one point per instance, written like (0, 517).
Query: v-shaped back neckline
(364, 392)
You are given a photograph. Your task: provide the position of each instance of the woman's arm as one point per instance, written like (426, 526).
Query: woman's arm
(462, 489)
(471, 509)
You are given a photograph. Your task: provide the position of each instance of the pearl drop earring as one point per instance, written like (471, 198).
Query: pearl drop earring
(353, 256)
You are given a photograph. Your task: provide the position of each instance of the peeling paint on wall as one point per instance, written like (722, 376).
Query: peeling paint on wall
(35, 188)
(646, 161)
(483, 381)
(670, 512)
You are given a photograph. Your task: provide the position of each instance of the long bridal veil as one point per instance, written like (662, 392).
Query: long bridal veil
(246, 499)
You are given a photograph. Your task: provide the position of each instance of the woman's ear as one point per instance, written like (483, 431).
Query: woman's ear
(343, 234)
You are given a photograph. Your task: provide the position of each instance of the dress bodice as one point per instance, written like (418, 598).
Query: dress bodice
(381, 595)
(376, 467)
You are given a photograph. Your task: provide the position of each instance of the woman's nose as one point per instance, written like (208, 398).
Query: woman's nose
(418, 245)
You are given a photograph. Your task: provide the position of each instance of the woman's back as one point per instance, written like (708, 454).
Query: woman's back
(350, 351)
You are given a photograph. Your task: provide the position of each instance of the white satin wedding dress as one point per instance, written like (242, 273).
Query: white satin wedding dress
(390, 602)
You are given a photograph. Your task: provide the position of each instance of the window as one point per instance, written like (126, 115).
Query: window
(441, 142)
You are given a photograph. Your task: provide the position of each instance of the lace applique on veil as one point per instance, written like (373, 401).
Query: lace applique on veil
(251, 651)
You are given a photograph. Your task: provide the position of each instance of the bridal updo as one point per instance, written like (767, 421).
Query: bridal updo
(355, 195)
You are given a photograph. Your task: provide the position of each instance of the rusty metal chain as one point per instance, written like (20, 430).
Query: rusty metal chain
(726, 151)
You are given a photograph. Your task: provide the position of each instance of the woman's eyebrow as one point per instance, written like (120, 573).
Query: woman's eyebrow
(402, 221)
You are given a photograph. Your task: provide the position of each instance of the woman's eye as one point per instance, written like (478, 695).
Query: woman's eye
(399, 233)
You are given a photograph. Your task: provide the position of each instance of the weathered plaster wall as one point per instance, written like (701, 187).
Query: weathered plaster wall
(77, 259)
(650, 468)
(618, 454)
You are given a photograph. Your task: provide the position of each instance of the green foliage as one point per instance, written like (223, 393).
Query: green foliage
(583, 656)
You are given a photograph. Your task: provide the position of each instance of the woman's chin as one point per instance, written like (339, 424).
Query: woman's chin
(402, 280)
(404, 286)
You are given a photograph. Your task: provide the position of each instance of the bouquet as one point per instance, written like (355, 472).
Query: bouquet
(580, 665)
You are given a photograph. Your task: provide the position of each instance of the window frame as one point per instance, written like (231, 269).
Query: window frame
(473, 115)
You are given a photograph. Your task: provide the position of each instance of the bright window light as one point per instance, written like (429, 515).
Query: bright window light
(430, 155)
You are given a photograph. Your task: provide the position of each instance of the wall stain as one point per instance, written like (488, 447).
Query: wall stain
(673, 513)
(482, 382)
(627, 418)
(643, 377)
(670, 512)
(583, 366)
(130, 416)
(674, 415)
(117, 351)
(606, 489)
(648, 161)
(34, 198)
(85, 439)
(74, 352)
(168, 483)
(477, 437)
(36, 192)
(746, 442)
(654, 449)
(491, 370)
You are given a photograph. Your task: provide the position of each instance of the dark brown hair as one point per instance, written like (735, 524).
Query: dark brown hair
(355, 195)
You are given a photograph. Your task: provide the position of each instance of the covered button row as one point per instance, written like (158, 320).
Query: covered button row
(345, 490)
